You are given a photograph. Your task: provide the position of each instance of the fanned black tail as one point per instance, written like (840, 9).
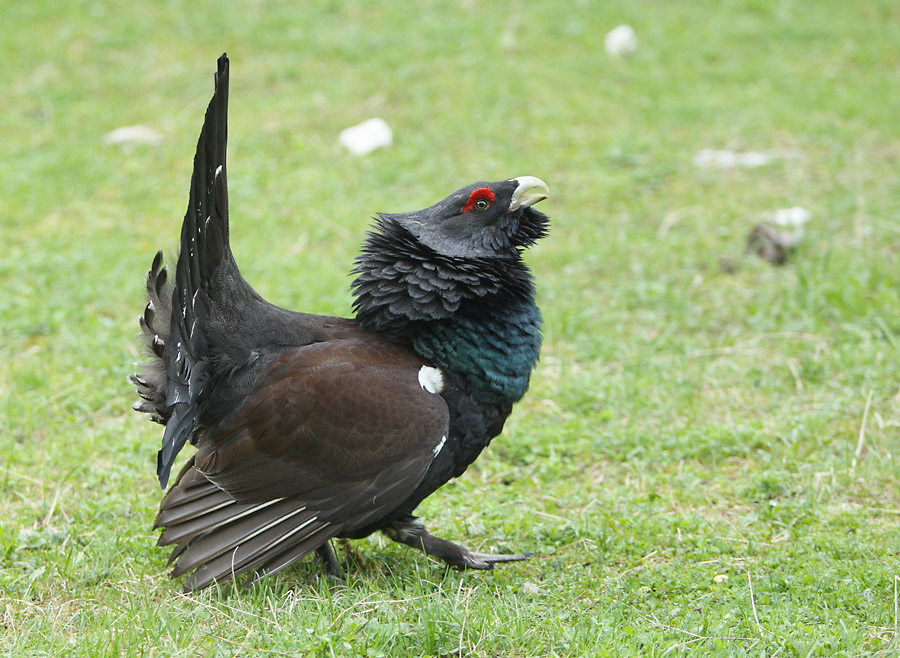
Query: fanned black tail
(174, 388)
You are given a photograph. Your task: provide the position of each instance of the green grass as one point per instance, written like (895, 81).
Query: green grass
(705, 461)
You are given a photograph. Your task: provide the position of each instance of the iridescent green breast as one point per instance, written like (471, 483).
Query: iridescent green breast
(496, 352)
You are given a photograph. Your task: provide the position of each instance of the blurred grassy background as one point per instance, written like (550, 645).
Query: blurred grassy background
(704, 463)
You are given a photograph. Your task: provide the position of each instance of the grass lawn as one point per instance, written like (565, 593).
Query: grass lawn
(704, 464)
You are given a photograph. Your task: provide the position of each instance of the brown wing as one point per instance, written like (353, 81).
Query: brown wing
(333, 437)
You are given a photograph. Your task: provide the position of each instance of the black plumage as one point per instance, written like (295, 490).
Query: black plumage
(310, 427)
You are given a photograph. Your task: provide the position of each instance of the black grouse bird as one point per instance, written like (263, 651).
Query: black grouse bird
(310, 427)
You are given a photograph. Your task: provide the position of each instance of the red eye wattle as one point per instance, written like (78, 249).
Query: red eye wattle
(480, 199)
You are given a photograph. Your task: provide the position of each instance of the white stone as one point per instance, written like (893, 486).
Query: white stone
(724, 159)
(793, 217)
(133, 135)
(531, 588)
(621, 41)
(367, 136)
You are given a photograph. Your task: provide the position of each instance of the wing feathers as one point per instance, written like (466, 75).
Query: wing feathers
(176, 516)
(297, 550)
(240, 532)
(333, 438)
(236, 562)
(228, 539)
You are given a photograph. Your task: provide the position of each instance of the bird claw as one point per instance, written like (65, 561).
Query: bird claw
(410, 531)
(488, 560)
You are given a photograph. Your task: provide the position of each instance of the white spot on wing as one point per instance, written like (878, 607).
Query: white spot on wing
(218, 170)
(431, 379)
(440, 445)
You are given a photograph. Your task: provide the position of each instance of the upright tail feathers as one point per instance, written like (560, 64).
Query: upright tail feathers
(174, 387)
(151, 383)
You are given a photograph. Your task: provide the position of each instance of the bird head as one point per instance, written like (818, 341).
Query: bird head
(481, 220)
(464, 250)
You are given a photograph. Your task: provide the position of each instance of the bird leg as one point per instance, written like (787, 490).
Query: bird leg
(328, 561)
(410, 531)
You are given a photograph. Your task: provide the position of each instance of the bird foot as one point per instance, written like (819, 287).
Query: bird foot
(411, 532)
(488, 560)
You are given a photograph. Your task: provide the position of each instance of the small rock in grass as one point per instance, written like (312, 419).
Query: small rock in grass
(364, 138)
(771, 244)
(621, 41)
(720, 578)
(794, 217)
(728, 265)
(724, 159)
(128, 135)
(531, 588)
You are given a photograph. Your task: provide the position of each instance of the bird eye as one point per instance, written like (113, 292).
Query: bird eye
(480, 199)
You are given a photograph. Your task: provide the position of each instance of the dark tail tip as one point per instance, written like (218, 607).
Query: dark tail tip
(162, 470)
(223, 66)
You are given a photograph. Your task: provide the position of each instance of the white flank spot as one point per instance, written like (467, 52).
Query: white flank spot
(364, 138)
(218, 170)
(440, 445)
(431, 379)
